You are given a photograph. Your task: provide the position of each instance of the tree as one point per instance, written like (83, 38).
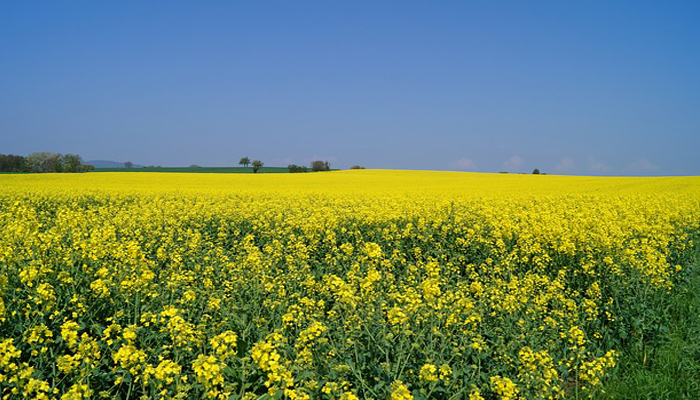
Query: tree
(13, 163)
(357, 167)
(536, 171)
(71, 163)
(128, 164)
(245, 161)
(319, 165)
(257, 164)
(44, 161)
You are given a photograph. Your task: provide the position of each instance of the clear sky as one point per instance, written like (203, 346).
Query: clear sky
(586, 87)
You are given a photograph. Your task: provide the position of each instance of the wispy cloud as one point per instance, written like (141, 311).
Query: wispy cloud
(513, 163)
(641, 165)
(566, 164)
(595, 165)
(464, 163)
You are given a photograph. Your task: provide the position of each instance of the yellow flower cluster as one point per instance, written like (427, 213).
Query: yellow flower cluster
(69, 333)
(224, 344)
(399, 391)
(428, 372)
(538, 374)
(352, 284)
(504, 387)
(208, 370)
(265, 355)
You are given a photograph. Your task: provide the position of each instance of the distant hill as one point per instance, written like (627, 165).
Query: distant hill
(108, 164)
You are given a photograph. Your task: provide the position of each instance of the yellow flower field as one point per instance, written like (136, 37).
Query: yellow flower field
(340, 285)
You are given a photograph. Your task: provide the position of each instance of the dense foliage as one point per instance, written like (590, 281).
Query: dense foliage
(43, 162)
(293, 168)
(355, 284)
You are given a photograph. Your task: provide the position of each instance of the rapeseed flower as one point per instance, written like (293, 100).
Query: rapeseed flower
(346, 285)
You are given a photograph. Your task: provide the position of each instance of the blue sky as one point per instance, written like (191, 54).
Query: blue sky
(589, 87)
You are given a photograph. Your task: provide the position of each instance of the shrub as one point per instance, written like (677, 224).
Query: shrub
(293, 168)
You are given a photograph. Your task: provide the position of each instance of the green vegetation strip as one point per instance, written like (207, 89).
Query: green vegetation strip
(671, 369)
(215, 170)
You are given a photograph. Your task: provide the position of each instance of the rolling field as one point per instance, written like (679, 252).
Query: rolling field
(340, 285)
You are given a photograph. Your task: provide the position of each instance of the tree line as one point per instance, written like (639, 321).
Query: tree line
(43, 161)
(315, 166)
